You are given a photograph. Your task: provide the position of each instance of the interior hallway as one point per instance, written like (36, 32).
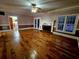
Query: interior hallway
(34, 44)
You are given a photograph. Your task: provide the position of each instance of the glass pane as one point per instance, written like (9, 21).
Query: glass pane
(35, 23)
(38, 22)
(61, 20)
(70, 21)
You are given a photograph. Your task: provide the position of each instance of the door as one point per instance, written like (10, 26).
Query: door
(13, 23)
(36, 23)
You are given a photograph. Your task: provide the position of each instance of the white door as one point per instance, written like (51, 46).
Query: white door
(37, 23)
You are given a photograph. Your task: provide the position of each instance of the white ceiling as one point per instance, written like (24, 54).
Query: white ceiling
(22, 6)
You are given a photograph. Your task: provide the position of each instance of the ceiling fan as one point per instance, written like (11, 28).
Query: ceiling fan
(33, 6)
(34, 9)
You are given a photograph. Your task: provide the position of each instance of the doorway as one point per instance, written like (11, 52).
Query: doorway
(37, 23)
(13, 22)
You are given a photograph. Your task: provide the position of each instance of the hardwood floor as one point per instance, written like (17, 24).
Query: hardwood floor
(34, 44)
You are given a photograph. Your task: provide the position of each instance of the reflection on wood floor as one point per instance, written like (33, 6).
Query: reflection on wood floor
(34, 44)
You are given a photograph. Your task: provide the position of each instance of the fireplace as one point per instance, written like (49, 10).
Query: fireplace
(46, 28)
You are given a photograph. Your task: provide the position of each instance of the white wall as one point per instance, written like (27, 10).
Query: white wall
(22, 19)
(44, 20)
(25, 20)
(3, 20)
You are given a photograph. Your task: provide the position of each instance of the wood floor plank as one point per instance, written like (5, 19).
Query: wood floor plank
(35, 44)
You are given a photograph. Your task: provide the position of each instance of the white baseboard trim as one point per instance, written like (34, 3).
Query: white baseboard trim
(4, 30)
(26, 28)
(4, 24)
(68, 36)
(19, 29)
(65, 35)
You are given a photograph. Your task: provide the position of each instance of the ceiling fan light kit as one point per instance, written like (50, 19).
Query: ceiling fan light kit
(34, 8)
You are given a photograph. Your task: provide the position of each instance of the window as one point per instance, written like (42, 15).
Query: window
(61, 22)
(70, 22)
(66, 24)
